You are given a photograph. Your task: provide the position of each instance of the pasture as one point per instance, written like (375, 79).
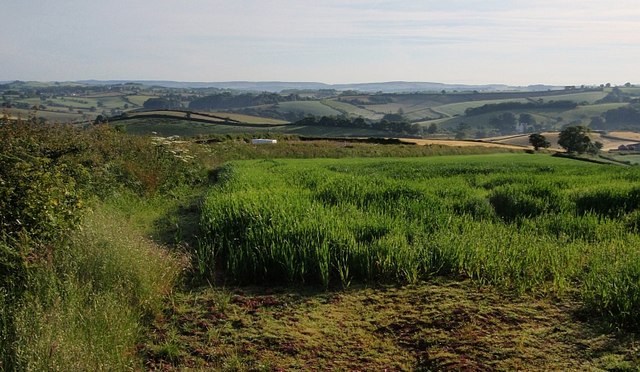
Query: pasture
(588, 97)
(189, 128)
(316, 108)
(352, 111)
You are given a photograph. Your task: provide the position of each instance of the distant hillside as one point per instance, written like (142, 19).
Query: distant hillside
(278, 86)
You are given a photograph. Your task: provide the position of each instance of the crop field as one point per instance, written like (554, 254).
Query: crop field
(609, 142)
(581, 115)
(138, 100)
(62, 116)
(308, 107)
(527, 223)
(454, 109)
(589, 97)
(212, 117)
(187, 128)
(353, 111)
(112, 101)
(248, 119)
(216, 255)
(457, 143)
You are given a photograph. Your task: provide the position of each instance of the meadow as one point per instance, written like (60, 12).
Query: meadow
(521, 222)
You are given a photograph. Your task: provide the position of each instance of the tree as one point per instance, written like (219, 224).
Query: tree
(597, 122)
(527, 119)
(575, 139)
(505, 122)
(461, 130)
(538, 141)
(595, 148)
(433, 128)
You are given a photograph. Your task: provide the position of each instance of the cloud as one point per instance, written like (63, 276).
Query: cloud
(286, 39)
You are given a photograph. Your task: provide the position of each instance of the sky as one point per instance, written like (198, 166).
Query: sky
(559, 42)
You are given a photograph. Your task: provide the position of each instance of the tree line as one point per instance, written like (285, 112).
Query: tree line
(227, 100)
(504, 106)
(344, 122)
(626, 117)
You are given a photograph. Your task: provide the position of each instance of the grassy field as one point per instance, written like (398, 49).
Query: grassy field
(186, 128)
(353, 111)
(212, 117)
(457, 109)
(308, 107)
(496, 219)
(589, 97)
(60, 116)
(76, 108)
(138, 100)
(248, 119)
(391, 258)
(440, 325)
(581, 115)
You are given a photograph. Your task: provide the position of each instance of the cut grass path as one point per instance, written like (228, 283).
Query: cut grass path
(441, 325)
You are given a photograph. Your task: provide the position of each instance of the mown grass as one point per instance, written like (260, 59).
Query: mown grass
(520, 222)
(439, 325)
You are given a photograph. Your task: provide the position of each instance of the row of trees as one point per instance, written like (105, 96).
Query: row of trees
(383, 125)
(503, 106)
(574, 139)
(227, 100)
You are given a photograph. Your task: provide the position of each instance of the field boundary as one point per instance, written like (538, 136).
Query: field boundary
(218, 120)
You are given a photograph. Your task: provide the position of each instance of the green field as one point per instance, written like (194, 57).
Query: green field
(186, 128)
(62, 116)
(554, 119)
(308, 107)
(519, 222)
(125, 252)
(139, 100)
(589, 97)
(353, 111)
(458, 109)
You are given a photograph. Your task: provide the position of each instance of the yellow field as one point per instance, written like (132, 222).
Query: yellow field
(459, 143)
(242, 119)
(51, 116)
(248, 119)
(610, 141)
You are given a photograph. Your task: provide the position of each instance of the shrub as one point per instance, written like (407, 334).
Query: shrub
(82, 296)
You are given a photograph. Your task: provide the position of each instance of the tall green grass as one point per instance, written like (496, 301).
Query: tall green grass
(85, 310)
(521, 222)
(75, 284)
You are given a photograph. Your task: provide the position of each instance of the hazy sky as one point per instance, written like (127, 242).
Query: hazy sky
(345, 41)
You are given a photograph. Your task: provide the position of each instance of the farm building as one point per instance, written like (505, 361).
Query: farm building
(630, 147)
